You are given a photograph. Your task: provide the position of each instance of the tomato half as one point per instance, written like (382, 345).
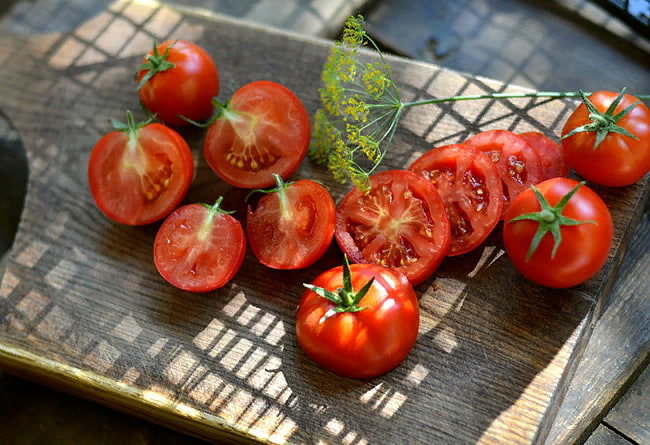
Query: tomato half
(470, 186)
(199, 248)
(583, 248)
(178, 78)
(399, 223)
(551, 154)
(518, 162)
(263, 130)
(293, 226)
(140, 173)
(363, 343)
(619, 159)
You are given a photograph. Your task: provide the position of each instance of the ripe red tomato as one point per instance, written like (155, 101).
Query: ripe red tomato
(470, 186)
(364, 338)
(518, 162)
(400, 223)
(139, 173)
(618, 159)
(583, 248)
(264, 129)
(550, 153)
(178, 78)
(293, 226)
(199, 248)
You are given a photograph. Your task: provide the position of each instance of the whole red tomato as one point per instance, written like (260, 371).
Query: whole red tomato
(293, 225)
(178, 79)
(573, 211)
(263, 130)
(358, 322)
(607, 139)
(140, 172)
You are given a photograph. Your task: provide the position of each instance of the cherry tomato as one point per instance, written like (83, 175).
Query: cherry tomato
(293, 226)
(622, 157)
(551, 154)
(584, 224)
(399, 223)
(470, 186)
(264, 129)
(199, 248)
(358, 337)
(518, 162)
(178, 78)
(140, 172)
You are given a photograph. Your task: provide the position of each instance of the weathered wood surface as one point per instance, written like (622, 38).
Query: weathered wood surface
(82, 306)
(605, 436)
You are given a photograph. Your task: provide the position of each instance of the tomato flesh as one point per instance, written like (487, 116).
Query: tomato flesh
(470, 186)
(264, 130)
(550, 153)
(400, 223)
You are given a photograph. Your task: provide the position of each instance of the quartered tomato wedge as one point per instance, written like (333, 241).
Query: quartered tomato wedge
(399, 223)
(139, 173)
(199, 248)
(293, 226)
(550, 153)
(470, 186)
(263, 130)
(518, 162)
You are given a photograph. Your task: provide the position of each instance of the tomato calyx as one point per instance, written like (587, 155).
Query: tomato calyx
(345, 299)
(281, 189)
(131, 127)
(213, 210)
(550, 219)
(604, 123)
(156, 63)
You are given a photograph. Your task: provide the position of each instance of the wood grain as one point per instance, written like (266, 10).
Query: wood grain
(631, 415)
(82, 307)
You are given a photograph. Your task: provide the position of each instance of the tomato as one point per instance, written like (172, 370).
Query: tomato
(355, 330)
(264, 129)
(140, 172)
(293, 226)
(399, 223)
(518, 162)
(551, 154)
(199, 248)
(622, 156)
(470, 186)
(583, 222)
(178, 78)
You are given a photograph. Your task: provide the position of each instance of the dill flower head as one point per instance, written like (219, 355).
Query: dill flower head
(360, 112)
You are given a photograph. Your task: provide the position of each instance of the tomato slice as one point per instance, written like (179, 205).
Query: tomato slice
(399, 223)
(138, 177)
(292, 227)
(264, 129)
(518, 162)
(550, 153)
(470, 186)
(199, 248)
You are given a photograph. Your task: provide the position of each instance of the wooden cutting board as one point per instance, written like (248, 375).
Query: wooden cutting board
(83, 309)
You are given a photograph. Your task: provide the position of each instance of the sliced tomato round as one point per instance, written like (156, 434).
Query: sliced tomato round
(470, 186)
(293, 226)
(550, 153)
(399, 223)
(263, 130)
(140, 173)
(518, 162)
(199, 248)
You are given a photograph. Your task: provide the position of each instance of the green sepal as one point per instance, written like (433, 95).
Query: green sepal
(156, 63)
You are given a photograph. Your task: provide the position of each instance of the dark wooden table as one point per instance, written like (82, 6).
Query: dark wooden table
(106, 361)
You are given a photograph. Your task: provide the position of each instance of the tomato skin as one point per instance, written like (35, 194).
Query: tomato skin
(264, 129)
(618, 160)
(470, 186)
(297, 236)
(366, 343)
(185, 90)
(401, 223)
(140, 179)
(551, 154)
(584, 247)
(199, 252)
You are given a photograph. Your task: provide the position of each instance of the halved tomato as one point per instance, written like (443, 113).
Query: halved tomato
(550, 153)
